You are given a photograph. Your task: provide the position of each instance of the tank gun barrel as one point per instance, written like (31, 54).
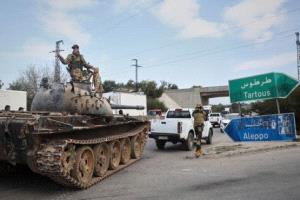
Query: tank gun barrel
(114, 106)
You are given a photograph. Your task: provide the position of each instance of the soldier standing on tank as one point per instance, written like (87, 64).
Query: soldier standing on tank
(199, 118)
(76, 62)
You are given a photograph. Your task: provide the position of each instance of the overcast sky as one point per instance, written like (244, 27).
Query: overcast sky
(186, 42)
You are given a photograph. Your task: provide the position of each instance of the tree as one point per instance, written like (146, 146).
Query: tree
(109, 86)
(130, 85)
(29, 81)
(168, 86)
(218, 108)
(153, 103)
(149, 88)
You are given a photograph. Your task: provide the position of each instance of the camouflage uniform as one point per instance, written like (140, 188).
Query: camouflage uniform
(75, 64)
(199, 118)
(75, 67)
(97, 81)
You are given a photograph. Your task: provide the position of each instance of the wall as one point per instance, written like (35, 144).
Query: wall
(13, 98)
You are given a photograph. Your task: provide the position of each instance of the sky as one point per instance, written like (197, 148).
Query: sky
(186, 42)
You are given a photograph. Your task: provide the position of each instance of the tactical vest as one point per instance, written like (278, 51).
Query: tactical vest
(76, 62)
(199, 117)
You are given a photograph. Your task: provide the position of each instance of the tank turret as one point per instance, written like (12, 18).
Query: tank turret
(71, 98)
(74, 98)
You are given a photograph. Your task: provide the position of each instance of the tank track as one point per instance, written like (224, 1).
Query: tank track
(50, 156)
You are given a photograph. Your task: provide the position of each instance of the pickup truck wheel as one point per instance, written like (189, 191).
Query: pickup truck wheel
(189, 143)
(209, 138)
(160, 144)
(221, 130)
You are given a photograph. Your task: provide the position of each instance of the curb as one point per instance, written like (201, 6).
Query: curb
(243, 149)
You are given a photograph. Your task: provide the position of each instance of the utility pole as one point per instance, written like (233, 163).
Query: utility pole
(298, 54)
(136, 73)
(57, 62)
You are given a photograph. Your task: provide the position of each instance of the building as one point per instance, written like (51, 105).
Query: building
(188, 98)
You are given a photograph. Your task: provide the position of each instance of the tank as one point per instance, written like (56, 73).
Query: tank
(71, 136)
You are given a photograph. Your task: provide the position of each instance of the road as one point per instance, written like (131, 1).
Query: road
(169, 174)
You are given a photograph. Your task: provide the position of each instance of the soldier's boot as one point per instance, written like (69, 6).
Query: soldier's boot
(198, 152)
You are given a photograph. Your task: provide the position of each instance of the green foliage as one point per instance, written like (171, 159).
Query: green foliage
(150, 88)
(130, 84)
(153, 103)
(109, 85)
(167, 86)
(218, 108)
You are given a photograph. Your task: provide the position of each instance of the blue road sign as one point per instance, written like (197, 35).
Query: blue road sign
(263, 128)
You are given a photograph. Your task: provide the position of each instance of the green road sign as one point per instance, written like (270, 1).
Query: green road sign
(263, 86)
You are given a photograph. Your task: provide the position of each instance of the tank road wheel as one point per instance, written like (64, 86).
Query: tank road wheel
(125, 150)
(68, 158)
(115, 149)
(84, 165)
(136, 146)
(101, 152)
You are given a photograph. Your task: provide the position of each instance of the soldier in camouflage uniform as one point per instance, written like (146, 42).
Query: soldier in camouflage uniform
(76, 62)
(199, 118)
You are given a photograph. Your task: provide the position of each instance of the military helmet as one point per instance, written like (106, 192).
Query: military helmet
(75, 46)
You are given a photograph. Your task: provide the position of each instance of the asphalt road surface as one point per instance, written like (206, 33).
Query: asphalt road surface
(169, 174)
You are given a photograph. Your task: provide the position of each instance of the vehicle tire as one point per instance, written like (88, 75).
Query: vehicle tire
(221, 130)
(209, 138)
(189, 142)
(160, 144)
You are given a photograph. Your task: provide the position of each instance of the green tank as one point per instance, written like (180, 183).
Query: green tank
(71, 136)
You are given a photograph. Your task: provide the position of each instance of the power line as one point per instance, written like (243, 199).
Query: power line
(226, 29)
(195, 55)
(115, 25)
(210, 52)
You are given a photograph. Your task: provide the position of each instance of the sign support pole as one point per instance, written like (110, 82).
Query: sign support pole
(278, 106)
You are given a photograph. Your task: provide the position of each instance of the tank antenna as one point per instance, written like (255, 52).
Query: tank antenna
(57, 63)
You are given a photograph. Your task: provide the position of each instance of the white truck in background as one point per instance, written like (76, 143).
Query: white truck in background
(215, 119)
(128, 99)
(15, 99)
(207, 108)
(178, 126)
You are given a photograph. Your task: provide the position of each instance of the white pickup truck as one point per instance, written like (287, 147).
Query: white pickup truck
(178, 126)
(215, 119)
